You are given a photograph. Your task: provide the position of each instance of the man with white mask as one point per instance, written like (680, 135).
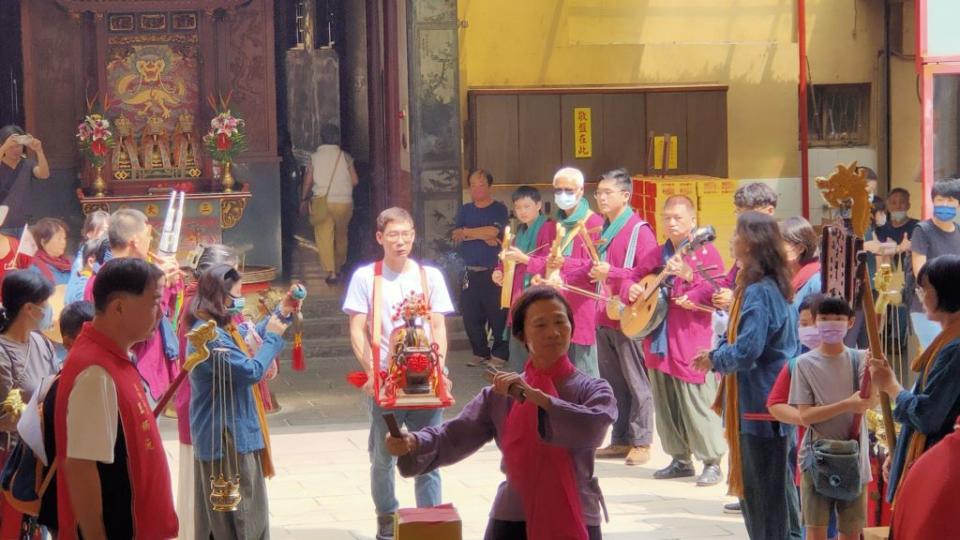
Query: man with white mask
(575, 264)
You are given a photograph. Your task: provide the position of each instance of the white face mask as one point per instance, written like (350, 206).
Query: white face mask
(565, 201)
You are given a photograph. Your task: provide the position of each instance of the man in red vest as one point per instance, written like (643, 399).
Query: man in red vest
(114, 480)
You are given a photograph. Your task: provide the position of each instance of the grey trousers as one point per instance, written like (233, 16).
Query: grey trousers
(518, 355)
(584, 357)
(251, 519)
(685, 422)
(621, 364)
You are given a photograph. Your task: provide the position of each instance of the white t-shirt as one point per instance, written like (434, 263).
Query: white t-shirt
(395, 288)
(92, 416)
(323, 162)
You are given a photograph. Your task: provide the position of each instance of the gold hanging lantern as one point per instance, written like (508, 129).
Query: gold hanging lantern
(225, 474)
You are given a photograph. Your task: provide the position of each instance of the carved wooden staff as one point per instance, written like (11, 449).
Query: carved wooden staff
(845, 270)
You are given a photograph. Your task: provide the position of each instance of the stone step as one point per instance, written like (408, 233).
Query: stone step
(339, 325)
(321, 348)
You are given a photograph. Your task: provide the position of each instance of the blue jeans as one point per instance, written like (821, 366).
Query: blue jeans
(925, 329)
(383, 465)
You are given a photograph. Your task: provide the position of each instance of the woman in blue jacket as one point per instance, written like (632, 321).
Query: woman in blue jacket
(227, 423)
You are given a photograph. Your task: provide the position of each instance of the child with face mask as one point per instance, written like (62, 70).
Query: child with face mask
(778, 400)
(825, 389)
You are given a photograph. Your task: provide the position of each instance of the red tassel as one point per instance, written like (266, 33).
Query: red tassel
(357, 378)
(298, 362)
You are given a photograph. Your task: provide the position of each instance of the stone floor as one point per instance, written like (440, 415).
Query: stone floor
(322, 489)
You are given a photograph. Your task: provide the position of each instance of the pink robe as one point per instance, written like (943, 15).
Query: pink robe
(688, 331)
(545, 236)
(576, 272)
(645, 259)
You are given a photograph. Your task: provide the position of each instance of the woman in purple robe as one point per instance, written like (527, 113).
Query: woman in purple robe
(547, 437)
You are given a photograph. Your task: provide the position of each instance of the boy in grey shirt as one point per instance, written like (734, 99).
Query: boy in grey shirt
(827, 394)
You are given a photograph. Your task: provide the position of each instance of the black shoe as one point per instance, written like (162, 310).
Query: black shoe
(332, 279)
(385, 527)
(732, 508)
(710, 476)
(677, 468)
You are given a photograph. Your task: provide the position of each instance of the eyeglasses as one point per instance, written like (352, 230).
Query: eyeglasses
(601, 193)
(396, 235)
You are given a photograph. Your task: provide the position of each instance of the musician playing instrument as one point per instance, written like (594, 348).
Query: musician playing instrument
(534, 233)
(627, 247)
(130, 236)
(575, 264)
(682, 395)
(761, 336)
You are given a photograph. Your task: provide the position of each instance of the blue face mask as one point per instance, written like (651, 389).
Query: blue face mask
(239, 303)
(47, 321)
(944, 212)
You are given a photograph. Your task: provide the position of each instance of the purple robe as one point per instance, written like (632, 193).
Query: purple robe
(576, 272)
(582, 412)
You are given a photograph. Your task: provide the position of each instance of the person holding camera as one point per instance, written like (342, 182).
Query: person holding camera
(16, 171)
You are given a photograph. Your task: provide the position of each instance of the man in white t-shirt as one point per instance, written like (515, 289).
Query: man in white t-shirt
(401, 278)
(327, 195)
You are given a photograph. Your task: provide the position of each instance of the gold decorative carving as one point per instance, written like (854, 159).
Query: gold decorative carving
(231, 210)
(90, 207)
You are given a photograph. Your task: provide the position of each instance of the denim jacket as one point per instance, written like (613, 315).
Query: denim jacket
(766, 338)
(246, 372)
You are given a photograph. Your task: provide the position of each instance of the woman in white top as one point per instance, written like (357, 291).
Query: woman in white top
(327, 194)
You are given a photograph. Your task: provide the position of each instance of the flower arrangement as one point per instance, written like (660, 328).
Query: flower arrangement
(227, 136)
(412, 307)
(95, 138)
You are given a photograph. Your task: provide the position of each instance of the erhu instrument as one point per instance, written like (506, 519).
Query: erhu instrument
(509, 268)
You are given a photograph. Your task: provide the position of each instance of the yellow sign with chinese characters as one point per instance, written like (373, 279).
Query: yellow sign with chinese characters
(582, 133)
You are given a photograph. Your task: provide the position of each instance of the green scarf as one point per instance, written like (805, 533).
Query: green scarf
(611, 230)
(526, 241)
(580, 213)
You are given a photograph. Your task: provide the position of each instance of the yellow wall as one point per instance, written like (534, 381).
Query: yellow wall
(749, 45)
(905, 140)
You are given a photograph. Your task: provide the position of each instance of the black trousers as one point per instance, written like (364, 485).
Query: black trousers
(517, 530)
(480, 308)
(771, 506)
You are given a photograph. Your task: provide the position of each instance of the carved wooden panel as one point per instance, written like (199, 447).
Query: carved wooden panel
(249, 73)
(53, 79)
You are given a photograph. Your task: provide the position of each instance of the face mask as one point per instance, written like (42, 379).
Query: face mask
(944, 212)
(47, 320)
(809, 336)
(881, 219)
(899, 215)
(238, 304)
(832, 332)
(565, 201)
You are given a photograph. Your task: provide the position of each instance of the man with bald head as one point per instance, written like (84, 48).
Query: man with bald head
(682, 396)
(575, 264)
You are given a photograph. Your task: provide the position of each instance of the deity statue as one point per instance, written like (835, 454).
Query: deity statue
(185, 149)
(125, 158)
(154, 145)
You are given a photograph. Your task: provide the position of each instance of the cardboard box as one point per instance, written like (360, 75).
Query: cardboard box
(876, 533)
(719, 186)
(437, 523)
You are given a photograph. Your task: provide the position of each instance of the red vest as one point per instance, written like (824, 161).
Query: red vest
(154, 517)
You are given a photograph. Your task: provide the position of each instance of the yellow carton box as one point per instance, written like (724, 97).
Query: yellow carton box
(437, 523)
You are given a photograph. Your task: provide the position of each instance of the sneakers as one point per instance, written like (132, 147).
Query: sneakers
(385, 527)
(732, 508)
(478, 361)
(638, 455)
(678, 468)
(710, 476)
(613, 451)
